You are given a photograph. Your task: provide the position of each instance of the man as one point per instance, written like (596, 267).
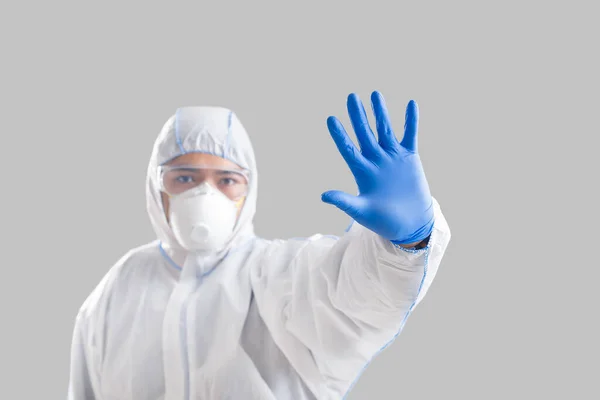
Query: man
(210, 311)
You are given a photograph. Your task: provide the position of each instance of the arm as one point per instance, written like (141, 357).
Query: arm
(81, 376)
(88, 336)
(332, 305)
(350, 298)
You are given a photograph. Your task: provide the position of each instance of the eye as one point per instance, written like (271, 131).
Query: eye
(228, 181)
(184, 179)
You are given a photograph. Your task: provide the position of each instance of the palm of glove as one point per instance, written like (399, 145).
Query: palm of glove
(394, 200)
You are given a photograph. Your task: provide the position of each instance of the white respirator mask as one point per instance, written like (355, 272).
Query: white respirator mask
(202, 218)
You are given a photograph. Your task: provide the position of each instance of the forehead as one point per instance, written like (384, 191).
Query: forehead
(203, 159)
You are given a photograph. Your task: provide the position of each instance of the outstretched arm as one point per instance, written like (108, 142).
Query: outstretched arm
(333, 304)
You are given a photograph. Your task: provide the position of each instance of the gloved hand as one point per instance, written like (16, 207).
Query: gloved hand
(394, 199)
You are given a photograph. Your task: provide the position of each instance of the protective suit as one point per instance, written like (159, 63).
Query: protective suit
(260, 319)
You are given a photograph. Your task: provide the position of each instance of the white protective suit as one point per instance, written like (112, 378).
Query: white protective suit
(262, 320)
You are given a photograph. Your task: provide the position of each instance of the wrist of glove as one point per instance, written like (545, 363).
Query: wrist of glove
(418, 236)
(419, 246)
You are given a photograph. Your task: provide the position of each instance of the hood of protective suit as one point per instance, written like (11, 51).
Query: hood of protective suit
(211, 130)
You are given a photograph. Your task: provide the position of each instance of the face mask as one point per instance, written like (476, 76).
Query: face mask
(202, 218)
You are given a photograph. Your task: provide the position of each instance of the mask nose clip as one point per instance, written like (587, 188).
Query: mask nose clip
(204, 188)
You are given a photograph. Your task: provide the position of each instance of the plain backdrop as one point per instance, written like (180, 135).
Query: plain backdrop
(508, 95)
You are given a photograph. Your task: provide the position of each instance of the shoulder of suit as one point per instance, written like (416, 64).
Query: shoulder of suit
(132, 260)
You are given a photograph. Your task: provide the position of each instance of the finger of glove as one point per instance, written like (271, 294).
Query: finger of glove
(360, 123)
(345, 146)
(411, 126)
(387, 138)
(351, 205)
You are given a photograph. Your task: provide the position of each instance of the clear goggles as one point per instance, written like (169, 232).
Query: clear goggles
(177, 179)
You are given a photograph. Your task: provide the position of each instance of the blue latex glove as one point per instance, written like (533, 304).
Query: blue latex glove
(394, 199)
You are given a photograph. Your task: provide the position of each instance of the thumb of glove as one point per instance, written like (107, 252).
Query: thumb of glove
(351, 205)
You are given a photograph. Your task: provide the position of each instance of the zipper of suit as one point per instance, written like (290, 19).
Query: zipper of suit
(184, 332)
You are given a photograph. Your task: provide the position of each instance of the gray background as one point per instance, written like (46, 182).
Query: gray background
(508, 95)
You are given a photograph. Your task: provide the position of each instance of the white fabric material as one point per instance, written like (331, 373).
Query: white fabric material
(262, 320)
(202, 218)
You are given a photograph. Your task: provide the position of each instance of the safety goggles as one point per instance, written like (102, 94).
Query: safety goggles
(177, 179)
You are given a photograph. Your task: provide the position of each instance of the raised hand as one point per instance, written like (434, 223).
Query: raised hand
(394, 200)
